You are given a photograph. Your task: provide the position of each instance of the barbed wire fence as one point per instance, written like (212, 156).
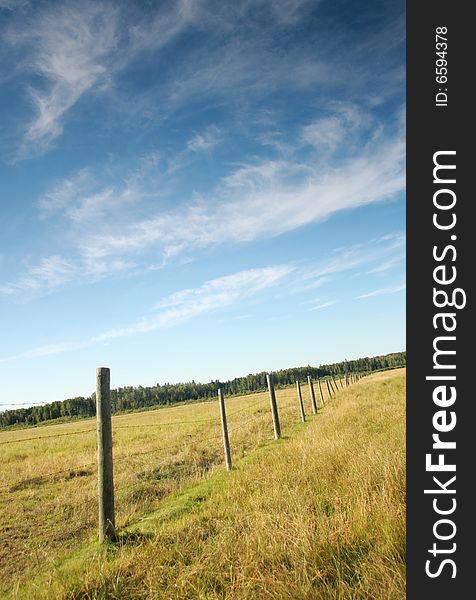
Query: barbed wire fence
(220, 429)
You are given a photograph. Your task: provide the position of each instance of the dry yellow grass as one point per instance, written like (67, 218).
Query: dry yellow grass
(48, 475)
(317, 515)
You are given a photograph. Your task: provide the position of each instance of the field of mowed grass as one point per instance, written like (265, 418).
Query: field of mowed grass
(318, 514)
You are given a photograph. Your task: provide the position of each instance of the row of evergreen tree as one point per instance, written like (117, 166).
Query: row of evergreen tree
(131, 398)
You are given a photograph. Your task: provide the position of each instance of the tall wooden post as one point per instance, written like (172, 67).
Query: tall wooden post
(328, 389)
(335, 382)
(301, 405)
(311, 393)
(107, 528)
(332, 386)
(224, 428)
(320, 391)
(274, 407)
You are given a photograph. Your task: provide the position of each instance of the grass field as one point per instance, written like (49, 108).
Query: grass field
(319, 514)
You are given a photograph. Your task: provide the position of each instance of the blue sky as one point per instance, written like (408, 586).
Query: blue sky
(197, 189)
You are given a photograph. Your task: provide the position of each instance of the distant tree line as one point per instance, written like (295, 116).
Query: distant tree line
(131, 398)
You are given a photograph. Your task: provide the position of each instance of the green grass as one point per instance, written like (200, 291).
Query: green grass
(319, 514)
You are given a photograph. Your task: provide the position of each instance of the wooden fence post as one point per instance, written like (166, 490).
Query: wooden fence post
(335, 382)
(320, 391)
(332, 386)
(311, 393)
(107, 527)
(224, 428)
(328, 389)
(301, 405)
(274, 407)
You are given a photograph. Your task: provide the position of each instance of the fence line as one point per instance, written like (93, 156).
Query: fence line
(105, 464)
(72, 468)
(311, 393)
(46, 437)
(274, 407)
(119, 427)
(301, 405)
(52, 474)
(226, 440)
(116, 428)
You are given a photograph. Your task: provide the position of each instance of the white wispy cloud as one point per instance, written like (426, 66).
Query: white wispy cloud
(51, 272)
(82, 196)
(308, 281)
(324, 305)
(78, 199)
(79, 48)
(55, 272)
(13, 4)
(180, 307)
(387, 264)
(288, 12)
(201, 143)
(164, 26)
(204, 141)
(69, 46)
(243, 69)
(64, 194)
(330, 131)
(357, 255)
(74, 49)
(47, 350)
(212, 295)
(265, 200)
(347, 259)
(382, 291)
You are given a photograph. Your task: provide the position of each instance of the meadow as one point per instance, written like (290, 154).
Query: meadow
(318, 514)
